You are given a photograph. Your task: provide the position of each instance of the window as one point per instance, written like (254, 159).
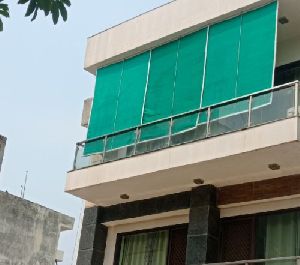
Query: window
(261, 236)
(166, 246)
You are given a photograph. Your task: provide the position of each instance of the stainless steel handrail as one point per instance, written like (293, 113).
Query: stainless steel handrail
(208, 112)
(203, 109)
(255, 261)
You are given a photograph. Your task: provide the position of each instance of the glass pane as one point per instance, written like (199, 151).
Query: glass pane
(94, 147)
(82, 160)
(228, 118)
(156, 130)
(120, 153)
(184, 123)
(273, 106)
(120, 140)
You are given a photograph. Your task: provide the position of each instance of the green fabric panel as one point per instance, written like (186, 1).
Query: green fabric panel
(156, 130)
(184, 123)
(121, 140)
(202, 117)
(229, 110)
(94, 147)
(189, 73)
(105, 103)
(256, 62)
(222, 62)
(160, 90)
(132, 92)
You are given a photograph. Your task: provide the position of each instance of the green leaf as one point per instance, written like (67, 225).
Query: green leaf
(63, 11)
(67, 2)
(4, 13)
(31, 8)
(35, 13)
(22, 2)
(1, 25)
(4, 7)
(55, 12)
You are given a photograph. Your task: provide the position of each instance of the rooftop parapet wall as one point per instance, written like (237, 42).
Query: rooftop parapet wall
(29, 233)
(159, 26)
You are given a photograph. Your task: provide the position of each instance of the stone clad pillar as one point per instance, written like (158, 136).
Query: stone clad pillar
(93, 238)
(203, 231)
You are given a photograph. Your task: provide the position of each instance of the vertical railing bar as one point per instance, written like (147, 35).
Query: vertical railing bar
(208, 122)
(75, 158)
(296, 99)
(104, 148)
(249, 111)
(170, 131)
(137, 136)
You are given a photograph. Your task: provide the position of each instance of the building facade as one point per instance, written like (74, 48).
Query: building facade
(192, 150)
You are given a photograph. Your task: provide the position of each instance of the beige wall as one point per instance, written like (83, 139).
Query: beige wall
(159, 26)
(288, 51)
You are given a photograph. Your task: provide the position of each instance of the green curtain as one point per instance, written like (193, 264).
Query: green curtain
(257, 50)
(282, 236)
(222, 62)
(160, 90)
(145, 249)
(132, 92)
(105, 103)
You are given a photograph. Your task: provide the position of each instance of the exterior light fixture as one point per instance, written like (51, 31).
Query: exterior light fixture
(283, 20)
(274, 166)
(198, 181)
(124, 196)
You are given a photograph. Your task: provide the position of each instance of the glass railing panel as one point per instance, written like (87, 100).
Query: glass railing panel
(273, 106)
(120, 146)
(229, 118)
(153, 137)
(183, 129)
(82, 160)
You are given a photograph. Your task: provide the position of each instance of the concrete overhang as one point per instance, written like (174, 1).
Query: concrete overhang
(158, 26)
(233, 158)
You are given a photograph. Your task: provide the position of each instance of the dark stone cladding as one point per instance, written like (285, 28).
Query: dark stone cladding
(203, 229)
(93, 238)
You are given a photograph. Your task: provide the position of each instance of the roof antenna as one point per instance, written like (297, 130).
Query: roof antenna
(23, 187)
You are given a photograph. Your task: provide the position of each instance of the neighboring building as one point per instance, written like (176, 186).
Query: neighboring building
(2, 147)
(193, 144)
(29, 233)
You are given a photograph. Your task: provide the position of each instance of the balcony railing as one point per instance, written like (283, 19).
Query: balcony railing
(270, 105)
(281, 260)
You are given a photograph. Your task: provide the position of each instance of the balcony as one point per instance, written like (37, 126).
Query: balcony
(280, 260)
(239, 114)
(233, 143)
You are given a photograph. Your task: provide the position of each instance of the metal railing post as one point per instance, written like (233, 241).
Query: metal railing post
(104, 148)
(170, 131)
(296, 99)
(208, 122)
(75, 158)
(137, 138)
(249, 111)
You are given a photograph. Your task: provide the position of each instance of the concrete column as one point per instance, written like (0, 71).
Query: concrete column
(93, 238)
(203, 231)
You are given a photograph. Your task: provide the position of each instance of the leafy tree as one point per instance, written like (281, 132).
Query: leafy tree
(55, 8)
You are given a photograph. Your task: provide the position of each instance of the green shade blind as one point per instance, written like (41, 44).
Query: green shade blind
(222, 61)
(132, 92)
(105, 103)
(189, 73)
(159, 97)
(257, 49)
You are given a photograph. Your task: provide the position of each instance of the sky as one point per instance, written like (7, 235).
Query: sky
(42, 88)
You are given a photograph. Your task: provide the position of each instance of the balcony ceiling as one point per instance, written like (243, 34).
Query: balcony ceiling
(291, 10)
